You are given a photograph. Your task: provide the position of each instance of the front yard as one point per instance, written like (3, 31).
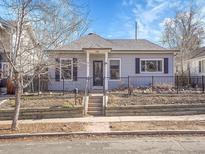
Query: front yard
(44, 107)
(122, 99)
(42, 101)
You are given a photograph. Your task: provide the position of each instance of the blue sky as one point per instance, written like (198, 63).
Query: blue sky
(116, 18)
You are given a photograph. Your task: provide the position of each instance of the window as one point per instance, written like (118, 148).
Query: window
(4, 70)
(114, 69)
(66, 67)
(151, 65)
(202, 66)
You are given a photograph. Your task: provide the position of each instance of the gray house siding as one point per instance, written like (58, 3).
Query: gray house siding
(127, 69)
(194, 66)
(68, 85)
(141, 79)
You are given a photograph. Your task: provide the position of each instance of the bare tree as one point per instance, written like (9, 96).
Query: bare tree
(47, 24)
(184, 32)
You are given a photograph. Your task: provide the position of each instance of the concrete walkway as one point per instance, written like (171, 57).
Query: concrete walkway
(115, 119)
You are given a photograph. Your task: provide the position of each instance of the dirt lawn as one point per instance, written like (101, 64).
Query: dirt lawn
(113, 126)
(151, 99)
(44, 101)
(157, 125)
(44, 128)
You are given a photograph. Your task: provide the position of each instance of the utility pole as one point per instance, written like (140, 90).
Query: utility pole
(136, 26)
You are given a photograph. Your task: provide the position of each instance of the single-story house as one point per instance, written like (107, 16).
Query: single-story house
(109, 64)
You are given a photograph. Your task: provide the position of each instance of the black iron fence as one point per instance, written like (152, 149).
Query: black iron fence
(159, 84)
(129, 84)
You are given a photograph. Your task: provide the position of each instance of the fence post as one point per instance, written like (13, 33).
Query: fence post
(177, 84)
(63, 86)
(88, 78)
(128, 84)
(39, 83)
(202, 84)
(104, 85)
(152, 82)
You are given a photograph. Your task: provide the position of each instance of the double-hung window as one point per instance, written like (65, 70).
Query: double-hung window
(114, 69)
(151, 65)
(66, 67)
(4, 69)
(202, 66)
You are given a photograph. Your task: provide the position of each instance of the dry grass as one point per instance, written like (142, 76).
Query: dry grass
(157, 125)
(44, 128)
(44, 101)
(149, 99)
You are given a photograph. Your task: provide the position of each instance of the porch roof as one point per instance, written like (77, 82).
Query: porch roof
(94, 41)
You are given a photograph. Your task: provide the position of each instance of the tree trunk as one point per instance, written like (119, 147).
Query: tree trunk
(182, 64)
(17, 101)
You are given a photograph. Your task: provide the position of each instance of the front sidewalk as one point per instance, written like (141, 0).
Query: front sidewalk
(114, 119)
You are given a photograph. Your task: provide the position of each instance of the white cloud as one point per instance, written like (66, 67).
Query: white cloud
(127, 2)
(165, 21)
(122, 27)
(154, 13)
(151, 16)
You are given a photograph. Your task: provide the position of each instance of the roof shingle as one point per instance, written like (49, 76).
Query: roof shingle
(95, 41)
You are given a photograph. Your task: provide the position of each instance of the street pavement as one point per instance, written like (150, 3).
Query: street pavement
(141, 145)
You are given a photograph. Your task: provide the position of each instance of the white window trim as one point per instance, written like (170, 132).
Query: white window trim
(109, 59)
(202, 72)
(145, 72)
(2, 63)
(71, 69)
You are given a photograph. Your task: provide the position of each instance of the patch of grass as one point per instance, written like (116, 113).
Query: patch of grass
(68, 105)
(12, 103)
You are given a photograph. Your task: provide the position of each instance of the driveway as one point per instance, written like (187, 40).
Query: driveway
(141, 145)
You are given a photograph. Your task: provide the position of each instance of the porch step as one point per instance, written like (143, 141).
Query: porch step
(95, 101)
(95, 113)
(94, 109)
(96, 91)
(95, 105)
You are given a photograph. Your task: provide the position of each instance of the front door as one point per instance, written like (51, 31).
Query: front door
(97, 73)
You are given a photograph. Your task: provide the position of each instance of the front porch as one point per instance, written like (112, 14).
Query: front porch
(97, 68)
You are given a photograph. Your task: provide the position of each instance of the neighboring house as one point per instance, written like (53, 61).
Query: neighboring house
(6, 30)
(29, 52)
(196, 64)
(108, 63)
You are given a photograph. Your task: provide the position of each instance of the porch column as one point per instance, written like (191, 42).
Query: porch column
(106, 71)
(88, 63)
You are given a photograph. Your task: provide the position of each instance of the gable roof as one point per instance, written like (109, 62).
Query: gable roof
(95, 41)
(5, 24)
(200, 52)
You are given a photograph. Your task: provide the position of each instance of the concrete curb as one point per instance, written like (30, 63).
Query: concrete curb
(143, 132)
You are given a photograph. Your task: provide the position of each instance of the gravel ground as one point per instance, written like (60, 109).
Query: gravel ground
(151, 99)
